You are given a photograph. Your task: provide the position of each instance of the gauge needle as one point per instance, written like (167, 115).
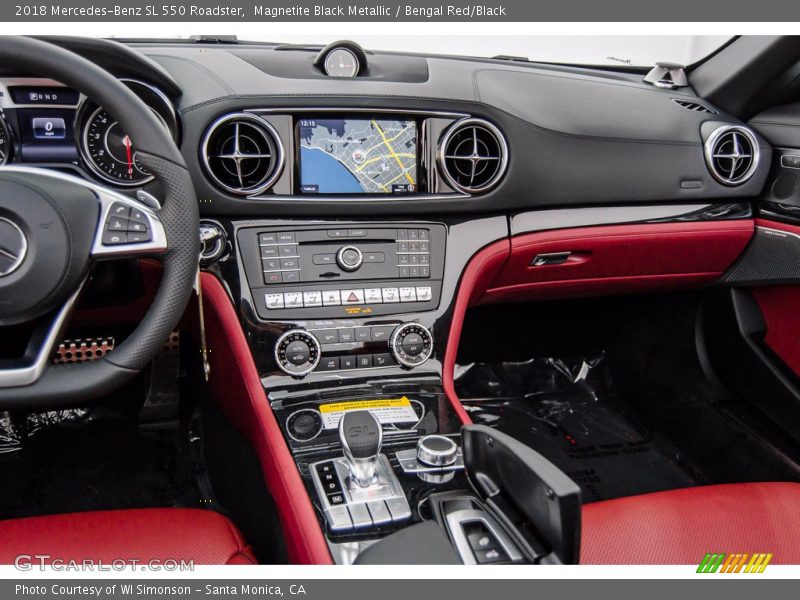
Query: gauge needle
(127, 141)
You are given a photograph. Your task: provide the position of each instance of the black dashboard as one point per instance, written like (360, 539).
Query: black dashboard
(476, 135)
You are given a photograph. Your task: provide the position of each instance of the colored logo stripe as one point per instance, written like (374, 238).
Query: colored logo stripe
(734, 563)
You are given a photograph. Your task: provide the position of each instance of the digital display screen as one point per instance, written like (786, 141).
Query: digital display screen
(357, 156)
(46, 134)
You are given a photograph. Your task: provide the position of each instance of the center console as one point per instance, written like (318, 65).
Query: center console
(348, 322)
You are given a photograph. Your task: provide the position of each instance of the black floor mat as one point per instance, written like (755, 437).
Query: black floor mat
(91, 459)
(566, 410)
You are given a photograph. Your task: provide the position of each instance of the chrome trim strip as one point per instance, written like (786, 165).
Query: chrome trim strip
(563, 218)
(289, 111)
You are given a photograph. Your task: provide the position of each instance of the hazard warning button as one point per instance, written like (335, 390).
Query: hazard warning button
(352, 297)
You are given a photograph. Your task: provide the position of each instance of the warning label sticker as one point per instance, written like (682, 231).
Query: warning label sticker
(390, 411)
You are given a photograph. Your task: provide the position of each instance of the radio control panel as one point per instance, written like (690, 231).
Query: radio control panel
(348, 271)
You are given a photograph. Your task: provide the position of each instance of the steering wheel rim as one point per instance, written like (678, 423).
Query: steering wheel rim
(67, 384)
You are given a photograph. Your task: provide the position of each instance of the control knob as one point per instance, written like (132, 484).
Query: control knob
(411, 344)
(436, 451)
(349, 258)
(297, 352)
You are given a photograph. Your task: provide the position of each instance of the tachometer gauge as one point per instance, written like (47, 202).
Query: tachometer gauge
(5, 143)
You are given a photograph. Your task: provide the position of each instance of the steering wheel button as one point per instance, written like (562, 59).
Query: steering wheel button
(117, 224)
(138, 238)
(118, 209)
(113, 238)
(136, 227)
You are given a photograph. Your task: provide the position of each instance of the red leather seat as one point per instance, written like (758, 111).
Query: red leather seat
(681, 526)
(160, 534)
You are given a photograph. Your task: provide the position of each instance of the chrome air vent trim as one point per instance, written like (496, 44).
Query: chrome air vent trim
(242, 154)
(732, 154)
(473, 155)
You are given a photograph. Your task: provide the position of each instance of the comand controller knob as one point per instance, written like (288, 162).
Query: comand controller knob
(436, 451)
(411, 344)
(297, 352)
(349, 258)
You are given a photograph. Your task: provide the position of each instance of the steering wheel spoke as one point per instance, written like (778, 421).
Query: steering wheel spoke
(41, 346)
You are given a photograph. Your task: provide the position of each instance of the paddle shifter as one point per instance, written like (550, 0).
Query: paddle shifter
(361, 435)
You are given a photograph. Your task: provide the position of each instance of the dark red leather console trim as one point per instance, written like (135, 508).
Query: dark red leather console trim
(620, 259)
(480, 270)
(236, 386)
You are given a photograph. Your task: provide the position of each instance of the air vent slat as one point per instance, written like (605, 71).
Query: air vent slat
(694, 106)
(473, 155)
(732, 154)
(242, 154)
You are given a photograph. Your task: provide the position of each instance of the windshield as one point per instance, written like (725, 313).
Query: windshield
(608, 50)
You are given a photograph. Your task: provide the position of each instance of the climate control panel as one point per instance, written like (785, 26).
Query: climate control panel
(299, 352)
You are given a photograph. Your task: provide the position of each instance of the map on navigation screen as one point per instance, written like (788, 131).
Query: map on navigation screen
(358, 156)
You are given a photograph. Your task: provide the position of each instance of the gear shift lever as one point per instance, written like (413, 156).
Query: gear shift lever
(361, 435)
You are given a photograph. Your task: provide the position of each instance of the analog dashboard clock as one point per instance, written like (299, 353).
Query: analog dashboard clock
(342, 62)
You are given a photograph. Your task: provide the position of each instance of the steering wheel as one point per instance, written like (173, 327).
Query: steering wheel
(54, 227)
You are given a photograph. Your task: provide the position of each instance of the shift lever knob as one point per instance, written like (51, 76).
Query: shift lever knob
(361, 435)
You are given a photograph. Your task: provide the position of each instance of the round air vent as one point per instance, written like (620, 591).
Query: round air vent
(473, 155)
(242, 154)
(732, 154)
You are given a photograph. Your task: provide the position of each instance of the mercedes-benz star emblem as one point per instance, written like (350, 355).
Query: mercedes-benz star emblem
(13, 247)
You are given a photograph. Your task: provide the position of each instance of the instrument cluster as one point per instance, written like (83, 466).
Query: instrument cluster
(45, 124)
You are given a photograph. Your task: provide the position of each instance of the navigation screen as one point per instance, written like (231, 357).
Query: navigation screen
(358, 156)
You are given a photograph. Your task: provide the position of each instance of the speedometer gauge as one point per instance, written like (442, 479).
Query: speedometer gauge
(107, 150)
(110, 151)
(5, 143)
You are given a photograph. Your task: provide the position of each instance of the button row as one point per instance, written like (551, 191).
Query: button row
(315, 298)
(377, 333)
(413, 247)
(365, 514)
(413, 234)
(330, 259)
(355, 361)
